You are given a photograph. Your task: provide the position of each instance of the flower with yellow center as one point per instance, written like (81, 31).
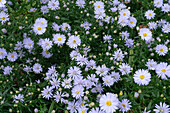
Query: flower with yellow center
(108, 103)
(142, 76)
(164, 70)
(39, 28)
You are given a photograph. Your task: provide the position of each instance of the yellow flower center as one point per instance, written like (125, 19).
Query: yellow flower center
(59, 39)
(161, 49)
(123, 105)
(98, 6)
(47, 43)
(3, 18)
(124, 14)
(39, 28)
(142, 76)
(164, 70)
(47, 52)
(41, 22)
(83, 111)
(82, 104)
(150, 14)
(144, 34)
(131, 22)
(12, 56)
(108, 103)
(77, 92)
(29, 44)
(74, 41)
(65, 28)
(1, 53)
(107, 81)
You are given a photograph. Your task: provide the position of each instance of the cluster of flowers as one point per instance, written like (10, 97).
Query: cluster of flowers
(85, 85)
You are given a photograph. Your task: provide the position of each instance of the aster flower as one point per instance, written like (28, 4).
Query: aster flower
(53, 4)
(125, 105)
(47, 92)
(152, 25)
(99, 14)
(2, 3)
(145, 34)
(72, 107)
(46, 44)
(80, 3)
(3, 53)
(59, 39)
(151, 64)
(161, 49)
(158, 3)
(86, 25)
(124, 13)
(96, 110)
(37, 68)
(109, 103)
(39, 29)
(118, 55)
(166, 8)
(163, 69)
(12, 56)
(142, 77)
(41, 21)
(19, 97)
(28, 43)
(3, 16)
(7, 70)
(102, 70)
(108, 80)
(163, 108)
(115, 76)
(44, 9)
(132, 22)
(74, 41)
(124, 68)
(74, 71)
(77, 91)
(98, 5)
(46, 54)
(65, 27)
(129, 43)
(149, 14)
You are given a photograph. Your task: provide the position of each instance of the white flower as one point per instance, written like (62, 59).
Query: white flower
(72, 107)
(118, 55)
(149, 14)
(142, 77)
(145, 34)
(102, 71)
(77, 91)
(2, 3)
(152, 25)
(74, 71)
(47, 92)
(3, 17)
(53, 4)
(7, 70)
(151, 64)
(20, 97)
(123, 21)
(3, 53)
(163, 69)
(12, 56)
(42, 21)
(74, 41)
(37, 68)
(65, 27)
(108, 80)
(158, 3)
(161, 49)
(46, 44)
(109, 103)
(80, 3)
(125, 13)
(146, 111)
(28, 43)
(46, 54)
(99, 14)
(115, 76)
(166, 8)
(39, 28)
(125, 105)
(124, 68)
(132, 22)
(99, 5)
(163, 108)
(59, 39)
